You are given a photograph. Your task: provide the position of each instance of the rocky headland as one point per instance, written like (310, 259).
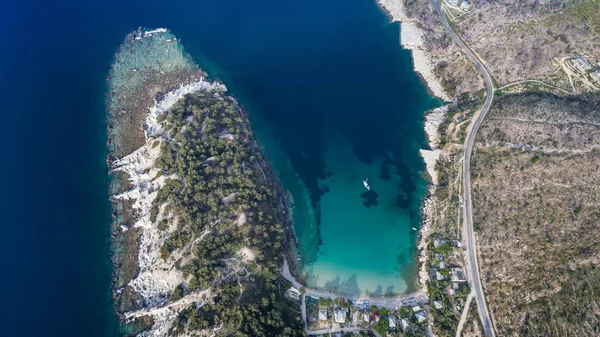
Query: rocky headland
(198, 226)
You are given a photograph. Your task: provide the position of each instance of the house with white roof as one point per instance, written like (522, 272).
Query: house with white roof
(362, 303)
(405, 323)
(442, 265)
(323, 314)
(465, 6)
(293, 293)
(438, 304)
(340, 315)
(392, 322)
(421, 316)
(582, 64)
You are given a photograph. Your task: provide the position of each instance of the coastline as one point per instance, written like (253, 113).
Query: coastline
(140, 85)
(411, 38)
(143, 279)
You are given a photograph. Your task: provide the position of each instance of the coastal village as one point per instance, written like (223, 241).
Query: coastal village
(325, 315)
(447, 289)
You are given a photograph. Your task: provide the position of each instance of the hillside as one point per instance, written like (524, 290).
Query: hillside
(534, 164)
(535, 192)
(199, 230)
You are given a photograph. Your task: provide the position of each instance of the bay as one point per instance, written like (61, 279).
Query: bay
(331, 95)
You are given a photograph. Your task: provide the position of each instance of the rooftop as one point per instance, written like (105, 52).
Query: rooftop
(392, 321)
(322, 314)
(340, 315)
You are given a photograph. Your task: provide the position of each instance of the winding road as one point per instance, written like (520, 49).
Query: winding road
(471, 253)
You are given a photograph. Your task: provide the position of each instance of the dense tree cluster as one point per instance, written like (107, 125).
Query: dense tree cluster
(220, 189)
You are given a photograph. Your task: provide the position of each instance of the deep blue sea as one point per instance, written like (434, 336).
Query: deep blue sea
(326, 85)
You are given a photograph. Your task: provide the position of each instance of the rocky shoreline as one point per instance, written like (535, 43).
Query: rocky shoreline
(411, 38)
(148, 66)
(151, 75)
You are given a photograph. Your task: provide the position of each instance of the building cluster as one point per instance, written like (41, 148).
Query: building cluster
(585, 67)
(440, 270)
(463, 5)
(327, 314)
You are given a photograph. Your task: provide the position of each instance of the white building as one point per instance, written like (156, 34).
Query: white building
(366, 317)
(465, 6)
(438, 304)
(322, 314)
(405, 323)
(421, 316)
(293, 293)
(581, 64)
(392, 322)
(416, 308)
(362, 303)
(340, 315)
(442, 265)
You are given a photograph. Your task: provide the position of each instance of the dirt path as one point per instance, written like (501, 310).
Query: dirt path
(464, 315)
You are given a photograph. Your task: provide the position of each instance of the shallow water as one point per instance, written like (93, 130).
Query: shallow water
(320, 79)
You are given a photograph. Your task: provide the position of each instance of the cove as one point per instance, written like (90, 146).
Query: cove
(334, 100)
(321, 80)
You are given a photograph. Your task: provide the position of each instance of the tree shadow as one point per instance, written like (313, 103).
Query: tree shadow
(311, 278)
(378, 291)
(348, 286)
(389, 291)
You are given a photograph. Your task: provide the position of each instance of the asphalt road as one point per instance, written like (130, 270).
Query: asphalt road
(472, 269)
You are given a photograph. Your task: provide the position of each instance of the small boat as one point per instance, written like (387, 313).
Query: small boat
(365, 182)
(414, 229)
(298, 259)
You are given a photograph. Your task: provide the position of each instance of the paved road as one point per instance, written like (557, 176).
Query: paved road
(472, 268)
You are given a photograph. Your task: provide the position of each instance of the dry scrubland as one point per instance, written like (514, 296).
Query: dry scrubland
(524, 39)
(536, 164)
(535, 171)
(517, 40)
(457, 74)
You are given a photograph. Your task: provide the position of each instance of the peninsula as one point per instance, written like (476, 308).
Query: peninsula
(198, 216)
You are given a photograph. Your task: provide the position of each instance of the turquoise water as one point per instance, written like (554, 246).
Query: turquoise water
(334, 100)
(330, 93)
(364, 248)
